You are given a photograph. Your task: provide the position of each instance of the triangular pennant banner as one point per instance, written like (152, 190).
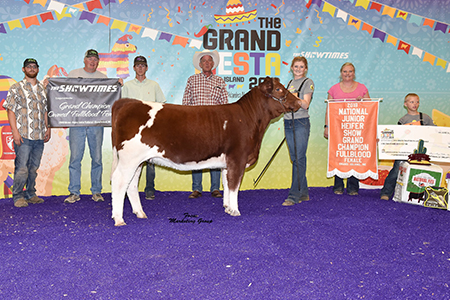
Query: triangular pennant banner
(418, 52)
(392, 40)
(56, 6)
(441, 26)
(402, 14)
(415, 19)
(196, 43)
(182, 41)
(441, 63)
(342, 14)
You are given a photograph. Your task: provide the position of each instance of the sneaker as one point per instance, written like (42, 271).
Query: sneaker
(150, 195)
(98, 197)
(338, 192)
(72, 198)
(21, 203)
(353, 193)
(288, 202)
(35, 200)
(384, 197)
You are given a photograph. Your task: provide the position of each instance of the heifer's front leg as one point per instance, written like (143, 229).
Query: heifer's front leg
(133, 195)
(226, 190)
(233, 209)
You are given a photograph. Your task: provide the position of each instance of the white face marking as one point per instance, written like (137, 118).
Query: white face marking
(225, 125)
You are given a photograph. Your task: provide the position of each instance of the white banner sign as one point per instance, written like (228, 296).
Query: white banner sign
(396, 142)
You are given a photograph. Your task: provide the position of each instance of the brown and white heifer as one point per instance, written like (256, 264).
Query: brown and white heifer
(226, 137)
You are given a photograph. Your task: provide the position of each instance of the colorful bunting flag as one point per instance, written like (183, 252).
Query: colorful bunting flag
(117, 24)
(29, 21)
(46, 16)
(135, 28)
(182, 41)
(103, 20)
(62, 15)
(196, 43)
(427, 57)
(91, 5)
(415, 19)
(354, 22)
(428, 22)
(14, 24)
(392, 40)
(404, 46)
(88, 16)
(56, 6)
(441, 26)
(151, 33)
(41, 2)
(2, 28)
(363, 3)
(402, 14)
(390, 11)
(165, 36)
(342, 14)
(376, 6)
(367, 27)
(327, 7)
(441, 63)
(379, 34)
(418, 52)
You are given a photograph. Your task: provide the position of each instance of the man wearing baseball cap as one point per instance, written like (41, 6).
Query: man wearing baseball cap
(147, 90)
(26, 105)
(205, 88)
(78, 136)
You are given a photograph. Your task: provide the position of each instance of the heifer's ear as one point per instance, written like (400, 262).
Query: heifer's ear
(267, 86)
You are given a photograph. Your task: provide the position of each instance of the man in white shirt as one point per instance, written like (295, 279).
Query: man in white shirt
(146, 90)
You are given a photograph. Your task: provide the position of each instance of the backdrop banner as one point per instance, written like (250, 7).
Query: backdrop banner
(352, 139)
(399, 141)
(74, 102)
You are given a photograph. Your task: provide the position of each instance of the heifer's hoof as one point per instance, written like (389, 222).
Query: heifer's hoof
(234, 213)
(120, 223)
(141, 215)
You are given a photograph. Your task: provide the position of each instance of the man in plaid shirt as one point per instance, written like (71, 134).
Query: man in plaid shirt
(205, 88)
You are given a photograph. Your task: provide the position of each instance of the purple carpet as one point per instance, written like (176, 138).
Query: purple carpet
(331, 247)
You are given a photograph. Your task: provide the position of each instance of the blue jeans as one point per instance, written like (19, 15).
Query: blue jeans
(391, 180)
(298, 144)
(352, 184)
(26, 164)
(197, 180)
(77, 143)
(150, 178)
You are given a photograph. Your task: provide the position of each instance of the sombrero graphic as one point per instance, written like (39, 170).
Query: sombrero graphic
(235, 13)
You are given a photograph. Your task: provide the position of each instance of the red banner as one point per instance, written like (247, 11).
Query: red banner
(352, 139)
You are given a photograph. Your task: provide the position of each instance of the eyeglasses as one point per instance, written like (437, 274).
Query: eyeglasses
(31, 67)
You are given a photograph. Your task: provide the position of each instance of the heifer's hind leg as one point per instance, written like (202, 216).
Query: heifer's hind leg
(133, 195)
(120, 180)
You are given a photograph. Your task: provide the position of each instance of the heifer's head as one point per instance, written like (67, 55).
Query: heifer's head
(272, 88)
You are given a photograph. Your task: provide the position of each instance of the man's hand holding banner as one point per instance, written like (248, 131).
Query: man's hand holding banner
(74, 102)
(352, 139)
